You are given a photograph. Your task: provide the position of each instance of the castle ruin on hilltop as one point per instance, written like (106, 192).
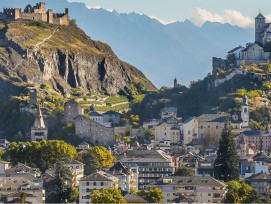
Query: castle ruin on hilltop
(253, 53)
(35, 13)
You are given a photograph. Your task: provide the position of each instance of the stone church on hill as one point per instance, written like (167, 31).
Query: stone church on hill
(35, 13)
(253, 53)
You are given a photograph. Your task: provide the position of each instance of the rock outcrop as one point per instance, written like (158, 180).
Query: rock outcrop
(63, 56)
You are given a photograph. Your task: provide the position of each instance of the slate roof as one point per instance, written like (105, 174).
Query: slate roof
(73, 161)
(183, 199)
(22, 168)
(28, 176)
(260, 15)
(133, 198)
(256, 133)
(111, 113)
(84, 143)
(234, 49)
(94, 113)
(193, 180)
(212, 118)
(119, 167)
(259, 177)
(100, 176)
(188, 120)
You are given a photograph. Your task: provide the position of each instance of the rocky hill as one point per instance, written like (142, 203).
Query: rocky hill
(32, 53)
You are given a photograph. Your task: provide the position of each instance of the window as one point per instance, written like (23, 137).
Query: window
(87, 183)
(94, 183)
(102, 183)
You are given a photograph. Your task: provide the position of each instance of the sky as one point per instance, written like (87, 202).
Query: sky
(235, 12)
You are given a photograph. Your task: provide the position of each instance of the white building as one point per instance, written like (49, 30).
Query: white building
(97, 117)
(77, 169)
(169, 132)
(98, 180)
(190, 130)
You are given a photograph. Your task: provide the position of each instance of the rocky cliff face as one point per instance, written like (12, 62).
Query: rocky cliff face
(35, 53)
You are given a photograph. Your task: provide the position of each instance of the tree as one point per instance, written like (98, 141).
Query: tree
(107, 195)
(61, 188)
(105, 158)
(226, 163)
(90, 161)
(23, 197)
(241, 193)
(154, 195)
(185, 171)
(41, 154)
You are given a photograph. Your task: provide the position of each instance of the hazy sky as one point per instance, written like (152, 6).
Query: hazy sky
(236, 12)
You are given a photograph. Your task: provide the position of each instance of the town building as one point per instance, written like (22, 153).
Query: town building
(248, 168)
(167, 132)
(98, 180)
(152, 164)
(169, 110)
(22, 168)
(97, 117)
(77, 169)
(35, 13)
(253, 53)
(39, 131)
(200, 189)
(111, 117)
(190, 130)
(94, 132)
(133, 198)
(128, 176)
(261, 183)
(71, 110)
(13, 187)
(83, 145)
(4, 165)
(260, 140)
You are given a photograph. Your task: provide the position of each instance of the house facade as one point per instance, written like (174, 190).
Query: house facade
(98, 180)
(200, 189)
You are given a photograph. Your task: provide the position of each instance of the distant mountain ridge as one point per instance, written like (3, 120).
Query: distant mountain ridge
(161, 52)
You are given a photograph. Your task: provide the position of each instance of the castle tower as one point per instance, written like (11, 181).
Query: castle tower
(259, 26)
(39, 131)
(245, 112)
(175, 83)
(50, 16)
(17, 13)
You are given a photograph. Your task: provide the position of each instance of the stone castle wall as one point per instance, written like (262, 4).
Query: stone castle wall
(36, 13)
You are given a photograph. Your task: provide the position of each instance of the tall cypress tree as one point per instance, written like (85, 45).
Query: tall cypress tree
(226, 163)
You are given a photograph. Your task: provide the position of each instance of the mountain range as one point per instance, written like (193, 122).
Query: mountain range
(162, 52)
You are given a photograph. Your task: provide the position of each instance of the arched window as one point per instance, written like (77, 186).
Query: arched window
(245, 110)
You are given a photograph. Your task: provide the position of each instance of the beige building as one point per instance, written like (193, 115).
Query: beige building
(255, 139)
(98, 180)
(261, 183)
(4, 165)
(77, 169)
(12, 187)
(167, 132)
(200, 189)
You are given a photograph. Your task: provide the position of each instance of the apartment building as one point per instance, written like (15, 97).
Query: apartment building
(200, 189)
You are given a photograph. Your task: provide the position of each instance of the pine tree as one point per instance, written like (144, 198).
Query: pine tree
(226, 163)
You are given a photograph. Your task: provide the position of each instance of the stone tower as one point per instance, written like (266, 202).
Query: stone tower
(39, 131)
(245, 112)
(175, 83)
(259, 26)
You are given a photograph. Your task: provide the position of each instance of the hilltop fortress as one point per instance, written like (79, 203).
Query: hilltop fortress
(253, 53)
(35, 13)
